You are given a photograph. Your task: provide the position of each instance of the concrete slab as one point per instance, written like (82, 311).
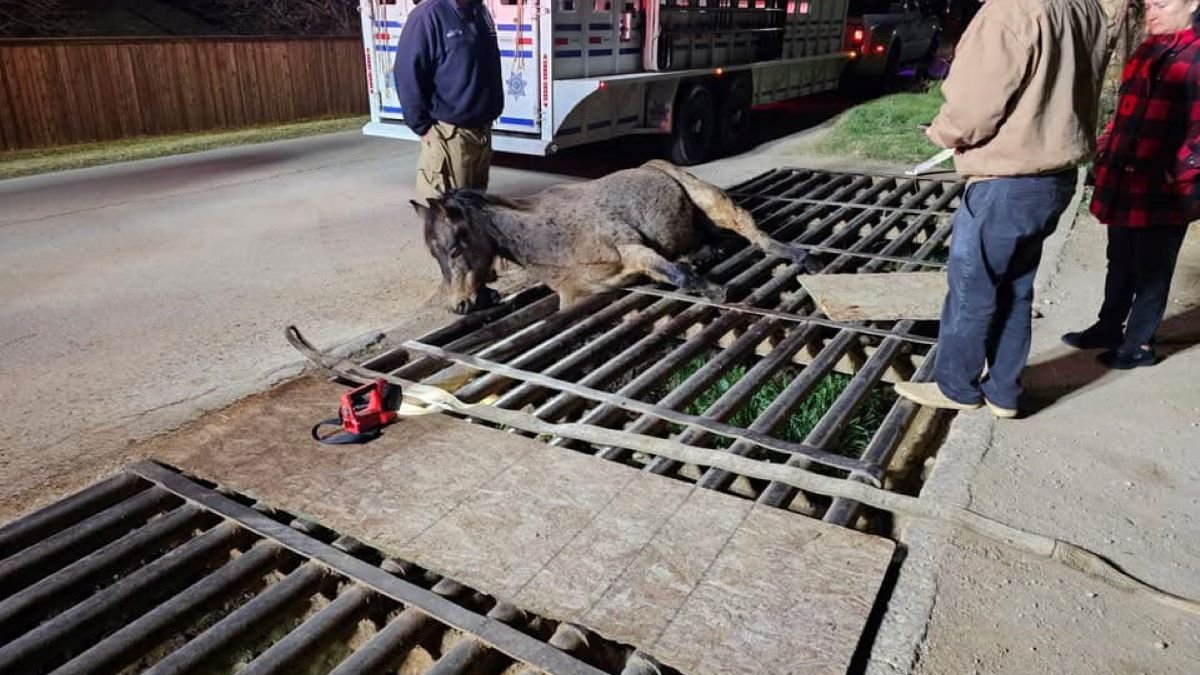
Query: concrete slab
(705, 582)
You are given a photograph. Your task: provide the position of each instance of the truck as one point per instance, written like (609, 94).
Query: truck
(890, 35)
(583, 71)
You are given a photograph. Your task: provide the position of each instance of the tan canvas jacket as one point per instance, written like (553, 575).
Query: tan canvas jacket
(1022, 95)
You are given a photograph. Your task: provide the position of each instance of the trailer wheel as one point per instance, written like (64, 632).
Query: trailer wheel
(734, 132)
(693, 130)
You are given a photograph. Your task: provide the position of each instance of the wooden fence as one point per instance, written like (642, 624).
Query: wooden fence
(64, 91)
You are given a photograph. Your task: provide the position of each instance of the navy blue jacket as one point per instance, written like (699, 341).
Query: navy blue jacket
(448, 66)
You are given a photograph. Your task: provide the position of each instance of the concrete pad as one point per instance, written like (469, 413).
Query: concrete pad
(878, 297)
(705, 582)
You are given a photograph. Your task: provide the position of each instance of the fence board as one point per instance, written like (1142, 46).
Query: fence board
(65, 91)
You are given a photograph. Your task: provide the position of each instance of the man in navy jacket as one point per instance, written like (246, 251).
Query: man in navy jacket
(448, 79)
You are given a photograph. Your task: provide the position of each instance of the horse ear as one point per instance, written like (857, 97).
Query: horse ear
(421, 209)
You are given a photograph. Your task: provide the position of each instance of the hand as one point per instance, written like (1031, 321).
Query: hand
(428, 137)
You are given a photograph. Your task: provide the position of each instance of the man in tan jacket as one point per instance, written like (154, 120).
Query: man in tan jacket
(1020, 113)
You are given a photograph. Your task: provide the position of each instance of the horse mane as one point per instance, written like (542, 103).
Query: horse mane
(470, 199)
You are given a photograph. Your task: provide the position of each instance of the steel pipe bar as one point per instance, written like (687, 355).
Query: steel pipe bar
(20, 610)
(793, 395)
(837, 417)
(512, 642)
(883, 445)
(495, 330)
(849, 205)
(125, 645)
(473, 656)
(55, 552)
(736, 396)
(600, 414)
(247, 619)
(388, 646)
(46, 522)
(548, 348)
(340, 616)
(62, 633)
(786, 316)
(626, 403)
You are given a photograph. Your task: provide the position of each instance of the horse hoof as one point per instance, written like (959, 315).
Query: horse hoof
(487, 297)
(463, 307)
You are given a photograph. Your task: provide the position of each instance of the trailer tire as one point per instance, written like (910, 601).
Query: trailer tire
(733, 115)
(693, 129)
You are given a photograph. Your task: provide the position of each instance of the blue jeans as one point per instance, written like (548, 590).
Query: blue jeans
(995, 250)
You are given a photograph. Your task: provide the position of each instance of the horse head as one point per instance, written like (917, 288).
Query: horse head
(456, 233)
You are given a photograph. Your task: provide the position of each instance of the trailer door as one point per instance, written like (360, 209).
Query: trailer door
(387, 22)
(517, 32)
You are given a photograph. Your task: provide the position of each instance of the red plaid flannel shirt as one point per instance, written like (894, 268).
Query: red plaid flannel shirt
(1148, 161)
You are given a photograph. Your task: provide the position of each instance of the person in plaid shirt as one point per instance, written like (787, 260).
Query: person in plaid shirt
(1147, 184)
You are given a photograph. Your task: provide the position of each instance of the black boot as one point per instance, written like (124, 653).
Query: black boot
(1094, 337)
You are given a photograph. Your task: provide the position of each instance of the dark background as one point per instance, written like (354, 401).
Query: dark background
(86, 18)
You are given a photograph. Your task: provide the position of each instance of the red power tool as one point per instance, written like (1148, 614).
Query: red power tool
(363, 414)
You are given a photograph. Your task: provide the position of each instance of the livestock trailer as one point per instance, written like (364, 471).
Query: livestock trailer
(581, 71)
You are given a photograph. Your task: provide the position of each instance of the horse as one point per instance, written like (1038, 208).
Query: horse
(585, 238)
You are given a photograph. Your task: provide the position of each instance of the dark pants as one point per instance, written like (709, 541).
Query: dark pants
(1141, 262)
(995, 249)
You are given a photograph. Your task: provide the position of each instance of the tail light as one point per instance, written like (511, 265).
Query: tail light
(858, 36)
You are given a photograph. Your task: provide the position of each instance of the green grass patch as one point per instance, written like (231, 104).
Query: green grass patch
(29, 162)
(804, 418)
(886, 129)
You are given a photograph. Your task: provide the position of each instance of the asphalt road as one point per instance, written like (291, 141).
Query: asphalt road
(135, 296)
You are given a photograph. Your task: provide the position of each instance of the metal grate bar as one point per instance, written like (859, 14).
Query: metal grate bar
(626, 403)
(496, 634)
(16, 536)
(400, 635)
(150, 627)
(296, 587)
(285, 655)
(850, 205)
(214, 582)
(53, 552)
(85, 620)
(33, 603)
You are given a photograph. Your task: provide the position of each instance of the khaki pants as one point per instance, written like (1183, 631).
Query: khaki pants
(453, 157)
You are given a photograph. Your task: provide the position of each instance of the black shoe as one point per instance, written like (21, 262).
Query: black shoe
(1120, 360)
(1092, 338)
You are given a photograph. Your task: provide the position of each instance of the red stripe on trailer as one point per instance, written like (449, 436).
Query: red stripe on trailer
(524, 41)
(561, 41)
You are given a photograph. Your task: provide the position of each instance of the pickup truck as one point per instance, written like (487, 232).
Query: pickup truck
(886, 36)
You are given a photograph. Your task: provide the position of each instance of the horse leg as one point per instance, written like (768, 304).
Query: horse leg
(726, 215)
(639, 258)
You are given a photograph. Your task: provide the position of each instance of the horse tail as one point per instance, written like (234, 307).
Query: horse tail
(723, 213)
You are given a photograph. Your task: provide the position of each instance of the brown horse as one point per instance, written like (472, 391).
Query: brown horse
(584, 238)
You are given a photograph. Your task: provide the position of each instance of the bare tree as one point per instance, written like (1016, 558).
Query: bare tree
(31, 18)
